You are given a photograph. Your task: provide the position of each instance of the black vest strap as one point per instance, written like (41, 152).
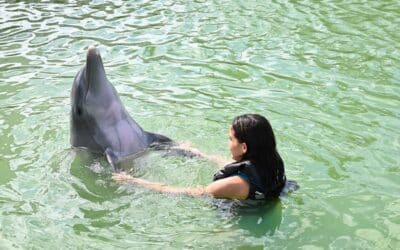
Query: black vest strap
(246, 167)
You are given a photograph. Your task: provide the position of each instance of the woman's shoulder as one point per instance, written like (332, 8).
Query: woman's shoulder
(232, 187)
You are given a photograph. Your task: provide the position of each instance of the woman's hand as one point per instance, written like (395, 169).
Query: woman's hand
(122, 177)
(156, 186)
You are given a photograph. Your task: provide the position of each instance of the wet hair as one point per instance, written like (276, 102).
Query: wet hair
(257, 133)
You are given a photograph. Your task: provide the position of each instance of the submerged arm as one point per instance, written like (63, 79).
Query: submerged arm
(231, 188)
(158, 187)
(219, 160)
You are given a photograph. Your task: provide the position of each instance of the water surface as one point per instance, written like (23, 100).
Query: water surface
(325, 74)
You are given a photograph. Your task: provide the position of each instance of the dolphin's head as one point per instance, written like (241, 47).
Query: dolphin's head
(91, 96)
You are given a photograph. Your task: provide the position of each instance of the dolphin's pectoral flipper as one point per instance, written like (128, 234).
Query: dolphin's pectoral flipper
(111, 158)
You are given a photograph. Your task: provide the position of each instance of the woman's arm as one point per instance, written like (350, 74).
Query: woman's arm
(231, 188)
(156, 186)
(219, 160)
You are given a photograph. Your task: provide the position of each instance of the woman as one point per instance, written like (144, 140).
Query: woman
(257, 173)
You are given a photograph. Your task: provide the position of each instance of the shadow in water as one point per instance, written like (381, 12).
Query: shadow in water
(261, 219)
(264, 217)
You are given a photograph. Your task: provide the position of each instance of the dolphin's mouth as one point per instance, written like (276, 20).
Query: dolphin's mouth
(79, 92)
(92, 50)
(86, 83)
(83, 88)
(95, 74)
(89, 67)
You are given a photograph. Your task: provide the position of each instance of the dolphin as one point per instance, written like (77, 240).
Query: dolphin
(99, 120)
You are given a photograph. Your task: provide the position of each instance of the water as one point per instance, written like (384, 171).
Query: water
(325, 74)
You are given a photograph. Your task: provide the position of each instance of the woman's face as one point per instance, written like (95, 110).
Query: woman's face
(237, 149)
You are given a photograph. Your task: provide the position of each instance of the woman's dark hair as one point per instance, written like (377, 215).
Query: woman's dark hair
(256, 132)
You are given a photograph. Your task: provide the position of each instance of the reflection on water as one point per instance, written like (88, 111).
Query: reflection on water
(325, 74)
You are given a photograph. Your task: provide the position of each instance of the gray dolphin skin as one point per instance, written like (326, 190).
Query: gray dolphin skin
(99, 120)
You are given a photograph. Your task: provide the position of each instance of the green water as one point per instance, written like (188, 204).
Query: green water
(325, 74)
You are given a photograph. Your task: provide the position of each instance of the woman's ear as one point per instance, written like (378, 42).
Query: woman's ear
(244, 148)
